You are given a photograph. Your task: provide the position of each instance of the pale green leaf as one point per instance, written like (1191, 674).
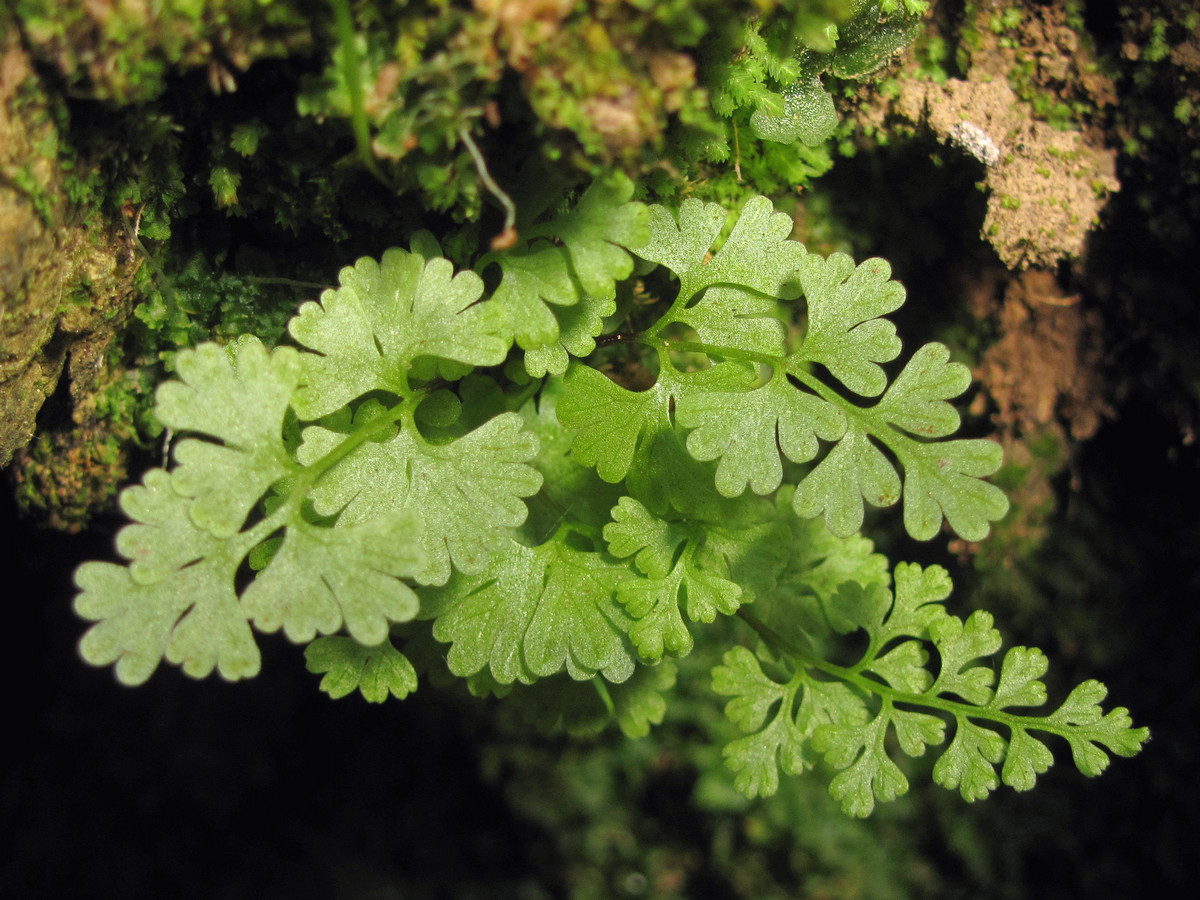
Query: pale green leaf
(323, 578)
(917, 604)
(658, 626)
(1025, 760)
(757, 255)
(237, 397)
(845, 333)
(554, 297)
(568, 487)
(854, 471)
(183, 606)
(385, 315)
(598, 231)
(915, 731)
(962, 690)
(191, 619)
(747, 432)
(576, 276)
(731, 317)
(531, 279)
(968, 764)
(468, 492)
(577, 328)
(944, 479)
(867, 772)
(916, 400)
(903, 667)
(919, 595)
(1019, 679)
(755, 757)
(651, 541)
(609, 420)
(687, 569)
(779, 729)
(641, 701)
(377, 672)
(1085, 725)
(741, 678)
(162, 537)
(682, 241)
(533, 612)
(959, 643)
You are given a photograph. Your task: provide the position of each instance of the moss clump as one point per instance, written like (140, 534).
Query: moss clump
(64, 280)
(127, 52)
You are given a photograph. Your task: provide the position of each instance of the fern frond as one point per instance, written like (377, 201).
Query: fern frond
(730, 301)
(846, 714)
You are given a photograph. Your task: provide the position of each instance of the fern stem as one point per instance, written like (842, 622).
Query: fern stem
(628, 337)
(343, 23)
(894, 440)
(772, 638)
(605, 695)
(313, 473)
(886, 692)
(508, 235)
(710, 350)
(289, 282)
(956, 708)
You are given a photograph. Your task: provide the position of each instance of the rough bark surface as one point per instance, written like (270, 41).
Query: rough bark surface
(64, 284)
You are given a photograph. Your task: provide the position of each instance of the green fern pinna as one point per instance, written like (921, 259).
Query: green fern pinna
(656, 417)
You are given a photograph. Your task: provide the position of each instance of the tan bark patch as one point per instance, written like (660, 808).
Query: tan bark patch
(65, 284)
